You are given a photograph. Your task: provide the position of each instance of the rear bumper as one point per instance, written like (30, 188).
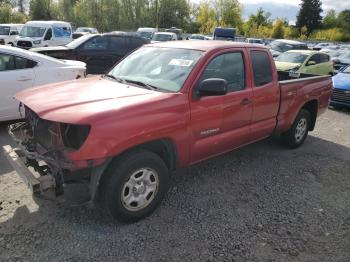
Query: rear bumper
(36, 183)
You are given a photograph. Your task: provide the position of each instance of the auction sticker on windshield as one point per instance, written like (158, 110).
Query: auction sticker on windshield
(181, 62)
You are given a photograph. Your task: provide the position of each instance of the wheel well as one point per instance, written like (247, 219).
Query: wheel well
(312, 107)
(164, 148)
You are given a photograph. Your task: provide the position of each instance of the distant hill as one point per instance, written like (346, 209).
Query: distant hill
(277, 10)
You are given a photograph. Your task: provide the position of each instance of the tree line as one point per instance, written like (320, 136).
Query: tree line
(202, 17)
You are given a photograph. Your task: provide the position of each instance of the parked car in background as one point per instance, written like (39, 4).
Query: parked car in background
(177, 31)
(305, 61)
(84, 31)
(319, 46)
(90, 30)
(164, 107)
(21, 69)
(99, 51)
(281, 45)
(222, 33)
(44, 33)
(147, 32)
(341, 89)
(163, 37)
(198, 37)
(255, 41)
(342, 60)
(332, 53)
(8, 33)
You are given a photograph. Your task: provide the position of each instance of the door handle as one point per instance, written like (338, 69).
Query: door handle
(245, 101)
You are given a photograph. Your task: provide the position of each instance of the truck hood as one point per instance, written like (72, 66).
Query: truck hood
(342, 81)
(50, 48)
(285, 66)
(80, 101)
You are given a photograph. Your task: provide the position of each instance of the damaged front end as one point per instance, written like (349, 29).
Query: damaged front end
(43, 145)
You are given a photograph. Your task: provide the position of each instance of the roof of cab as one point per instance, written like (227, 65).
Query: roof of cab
(205, 45)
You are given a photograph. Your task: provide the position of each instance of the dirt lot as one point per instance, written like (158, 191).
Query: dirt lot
(260, 203)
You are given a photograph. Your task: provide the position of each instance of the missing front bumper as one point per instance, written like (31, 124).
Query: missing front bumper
(37, 184)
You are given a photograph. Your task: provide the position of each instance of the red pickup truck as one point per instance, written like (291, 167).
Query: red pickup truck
(165, 106)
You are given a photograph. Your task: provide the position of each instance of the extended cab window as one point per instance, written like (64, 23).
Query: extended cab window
(261, 68)
(229, 66)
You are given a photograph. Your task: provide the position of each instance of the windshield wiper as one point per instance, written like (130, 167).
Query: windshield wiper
(139, 83)
(118, 79)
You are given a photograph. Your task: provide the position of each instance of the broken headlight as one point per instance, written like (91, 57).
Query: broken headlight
(74, 136)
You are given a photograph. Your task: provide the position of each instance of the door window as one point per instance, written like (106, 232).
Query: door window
(96, 43)
(324, 58)
(48, 34)
(228, 66)
(119, 44)
(261, 68)
(10, 62)
(315, 58)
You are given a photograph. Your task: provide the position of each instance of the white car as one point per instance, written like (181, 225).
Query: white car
(20, 69)
(8, 33)
(163, 37)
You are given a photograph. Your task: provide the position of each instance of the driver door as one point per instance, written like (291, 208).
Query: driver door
(313, 68)
(222, 123)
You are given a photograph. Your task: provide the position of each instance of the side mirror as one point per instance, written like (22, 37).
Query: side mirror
(311, 63)
(212, 87)
(13, 33)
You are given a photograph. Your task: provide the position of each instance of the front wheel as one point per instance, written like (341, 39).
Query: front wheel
(136, 184)
(298, 132)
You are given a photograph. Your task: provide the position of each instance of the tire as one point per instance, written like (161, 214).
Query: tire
(298, 132)
(134, 176)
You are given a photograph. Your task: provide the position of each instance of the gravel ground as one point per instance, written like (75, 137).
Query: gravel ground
(260, 203)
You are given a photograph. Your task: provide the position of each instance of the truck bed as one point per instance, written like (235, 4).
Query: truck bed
(295, 90)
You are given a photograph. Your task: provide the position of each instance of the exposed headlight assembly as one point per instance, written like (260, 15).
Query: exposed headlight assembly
(37, 42)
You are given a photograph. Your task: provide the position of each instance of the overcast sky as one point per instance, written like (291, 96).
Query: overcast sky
(286, 8)
(327, 4)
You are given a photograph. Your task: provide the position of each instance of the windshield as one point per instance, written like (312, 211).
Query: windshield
(280, 46)
(162, 37)
(346, 70)
(345, 55)
(163, 68)
(145, 34)
(32, 31)
(77, 42)
(292, 58)
(4, 30)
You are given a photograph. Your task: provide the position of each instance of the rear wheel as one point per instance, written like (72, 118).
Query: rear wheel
(135, 185)
(298, 132)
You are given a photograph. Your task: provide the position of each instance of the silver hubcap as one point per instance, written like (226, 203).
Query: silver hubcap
(300, 129)
(140, 190)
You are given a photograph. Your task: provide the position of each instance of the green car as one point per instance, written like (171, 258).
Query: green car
(305, 61)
